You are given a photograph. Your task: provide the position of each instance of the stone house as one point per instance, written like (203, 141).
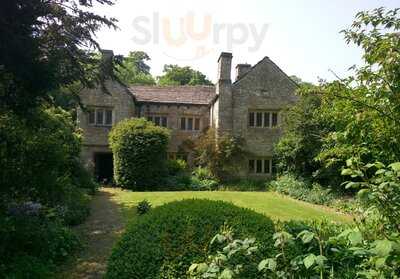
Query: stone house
(249, 107)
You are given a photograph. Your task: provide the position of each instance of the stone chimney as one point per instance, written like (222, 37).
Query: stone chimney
(107, 57)
(242, 69)
(224, 92)
(224, 66)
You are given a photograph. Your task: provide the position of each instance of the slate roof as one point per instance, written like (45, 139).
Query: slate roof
(196, 95)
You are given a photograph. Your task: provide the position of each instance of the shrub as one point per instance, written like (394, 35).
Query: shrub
(170, 237)
(43, 149)
(139, 149)
(143, 207)
(33, 243)
(176, 167)
(202, 173)
(243, 185)
(302, 190)
(74, 207)
(220, 155)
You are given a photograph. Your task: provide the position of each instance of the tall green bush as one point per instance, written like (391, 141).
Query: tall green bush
(39, 157)
(164, 242)
(139, 149)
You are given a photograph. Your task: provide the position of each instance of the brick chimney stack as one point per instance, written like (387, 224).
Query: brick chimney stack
(224, 92)
(242, 69)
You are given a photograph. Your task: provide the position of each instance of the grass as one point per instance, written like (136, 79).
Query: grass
(113, 208)
(276, 206)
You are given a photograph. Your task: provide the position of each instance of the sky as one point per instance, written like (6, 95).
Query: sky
(301, 36)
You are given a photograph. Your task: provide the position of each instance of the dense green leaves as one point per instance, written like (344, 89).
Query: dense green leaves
(167, 240)
(140, 153)
(176, 75)
(45, 46)
(133, 69)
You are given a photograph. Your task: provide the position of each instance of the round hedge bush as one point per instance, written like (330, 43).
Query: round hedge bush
(164, 242)
(140, 153)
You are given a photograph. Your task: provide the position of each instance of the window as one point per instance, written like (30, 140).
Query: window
(197, 124)
(261, 166)
(251, 119)
(158, 120)
(251, 166)
(190, 124)
(92, 117)
(259, 119)
(108, 120)
(164, 121)
(274, 119)
(183, 123)
(266, 119)
(100, 116)
(263, 119)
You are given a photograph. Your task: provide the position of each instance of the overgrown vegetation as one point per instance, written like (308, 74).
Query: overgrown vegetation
(346, 129)
(140, 151)
(47, 52)
(301, 189)
(220, 154)
(164, 242)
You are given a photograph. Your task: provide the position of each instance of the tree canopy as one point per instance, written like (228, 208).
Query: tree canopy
(357, 116)
(176, 75)
(48, 47)
(135, 70)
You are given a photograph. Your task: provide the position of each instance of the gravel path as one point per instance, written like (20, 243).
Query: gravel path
(99, 233)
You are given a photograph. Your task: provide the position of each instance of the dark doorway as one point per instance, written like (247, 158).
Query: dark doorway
(103, 167)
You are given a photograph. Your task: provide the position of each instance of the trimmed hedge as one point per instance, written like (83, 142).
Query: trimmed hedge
(164, 242)
(140, 152)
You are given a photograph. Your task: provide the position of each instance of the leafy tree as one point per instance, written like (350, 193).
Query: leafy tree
(134, 69)
(46, 46)
(350, 117)
(176, 75)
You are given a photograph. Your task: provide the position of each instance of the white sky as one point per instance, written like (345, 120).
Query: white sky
(302, 36)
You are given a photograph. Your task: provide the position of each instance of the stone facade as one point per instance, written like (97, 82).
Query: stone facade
(250, 107)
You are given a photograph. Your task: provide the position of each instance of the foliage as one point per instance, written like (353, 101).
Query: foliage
(300, 189)
(303, 137)
(176, 167)
(33, 241)
(172, 236)
(46, 151)
(176, 75)
(143, 207)
(140, 151)
(378, 189)
(231, 262)
(46, 48)
(244, 184)
(220, 154)
(357, 116)
(306, 250)
(133, 69)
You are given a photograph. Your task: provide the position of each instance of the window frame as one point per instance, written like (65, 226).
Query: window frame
(190, 123)
(158, 119)
(263, 119)
(100, 111)
(257, 166)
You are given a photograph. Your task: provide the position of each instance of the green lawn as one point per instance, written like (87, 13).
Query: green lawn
(271, 204)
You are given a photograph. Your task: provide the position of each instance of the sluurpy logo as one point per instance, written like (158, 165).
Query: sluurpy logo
(175, 34)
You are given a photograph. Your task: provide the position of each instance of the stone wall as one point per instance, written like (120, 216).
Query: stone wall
(95, 138)
(174, 112)
(264, 88)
